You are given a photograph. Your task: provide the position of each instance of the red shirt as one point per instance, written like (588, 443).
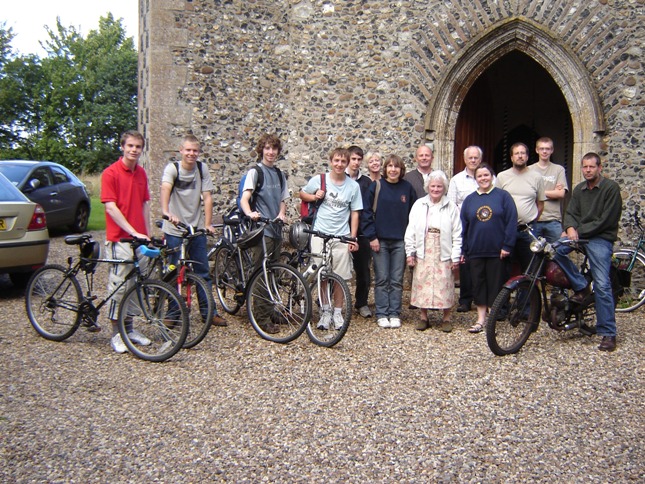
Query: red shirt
(129, 190)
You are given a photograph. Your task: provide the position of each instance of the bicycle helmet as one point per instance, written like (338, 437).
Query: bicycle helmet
(298, 238)
(251, 238)
(90, 249)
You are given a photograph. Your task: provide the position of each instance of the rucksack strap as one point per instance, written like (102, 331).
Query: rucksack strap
(201, 174)
(376, 192)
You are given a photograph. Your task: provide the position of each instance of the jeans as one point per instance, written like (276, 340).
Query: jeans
(551, 230)
(389, 265)
(599, 252)
(361, 260)
(522, 252)
(197, 252)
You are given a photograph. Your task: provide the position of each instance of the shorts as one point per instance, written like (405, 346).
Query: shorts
(341, 257)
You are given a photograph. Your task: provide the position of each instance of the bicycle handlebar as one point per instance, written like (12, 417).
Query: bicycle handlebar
(343, 238)
(188, 230)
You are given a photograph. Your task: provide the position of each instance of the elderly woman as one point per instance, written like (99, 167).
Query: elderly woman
(489, 220)
(433, 249)
(383, 222)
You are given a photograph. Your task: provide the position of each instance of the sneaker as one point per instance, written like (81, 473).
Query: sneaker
(117, 344)
(325, 320)
(365, 312)
(338, 320)
(138, 338)
(395, 323)
(383, 322)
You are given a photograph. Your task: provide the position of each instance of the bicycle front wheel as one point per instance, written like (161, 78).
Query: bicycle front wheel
(226, 280)
(513, 316)
(199, 301)
(52, 299)
(153, 320)
(633, 283)
(278, 305)
(331, 312)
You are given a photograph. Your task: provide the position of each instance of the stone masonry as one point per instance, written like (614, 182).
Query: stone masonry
(386, 75)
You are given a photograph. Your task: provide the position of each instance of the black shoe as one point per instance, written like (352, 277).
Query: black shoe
(463, 308)
(580, 296)
(608, 343)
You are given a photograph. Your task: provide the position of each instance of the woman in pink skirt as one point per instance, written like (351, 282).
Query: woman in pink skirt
(433, 248)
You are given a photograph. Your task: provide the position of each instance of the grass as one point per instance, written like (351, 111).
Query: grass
(97, 212)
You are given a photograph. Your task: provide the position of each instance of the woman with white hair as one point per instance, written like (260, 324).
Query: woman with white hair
(433, 249)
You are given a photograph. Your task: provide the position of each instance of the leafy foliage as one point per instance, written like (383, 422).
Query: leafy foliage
(72, 105)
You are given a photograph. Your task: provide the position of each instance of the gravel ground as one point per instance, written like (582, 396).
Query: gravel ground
(382, 406)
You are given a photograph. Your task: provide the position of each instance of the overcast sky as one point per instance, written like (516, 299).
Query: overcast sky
(28, 18)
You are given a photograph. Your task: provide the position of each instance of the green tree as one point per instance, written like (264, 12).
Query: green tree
(72, 105)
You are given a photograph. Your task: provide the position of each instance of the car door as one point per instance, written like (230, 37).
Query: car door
(68, 195)
(45, 193)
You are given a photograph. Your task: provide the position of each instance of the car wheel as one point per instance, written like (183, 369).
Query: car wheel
(20, 279)
(81, 218)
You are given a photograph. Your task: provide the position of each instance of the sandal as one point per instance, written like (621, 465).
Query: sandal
(476, 328)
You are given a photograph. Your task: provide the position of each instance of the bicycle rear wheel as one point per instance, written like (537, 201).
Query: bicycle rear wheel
(280, 310)
(52, 300)
(633, 283)
(326, 328)
(156, 311)
(226, 279)
(199, 301)
(513, 316)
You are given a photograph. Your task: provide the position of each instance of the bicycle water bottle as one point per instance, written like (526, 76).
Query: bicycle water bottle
(308, 273)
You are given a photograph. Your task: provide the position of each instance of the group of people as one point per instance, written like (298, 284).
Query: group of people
(419, 218)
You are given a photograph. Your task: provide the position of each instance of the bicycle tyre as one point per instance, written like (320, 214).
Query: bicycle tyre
(157, 311)
(52, 300)
(332, 335)
(200, 314)
(506, 329)
(633, 283)
(226, 281)
(283, 318)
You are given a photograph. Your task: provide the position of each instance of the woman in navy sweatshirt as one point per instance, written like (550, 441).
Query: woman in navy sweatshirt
(489, 222)
(383, 222)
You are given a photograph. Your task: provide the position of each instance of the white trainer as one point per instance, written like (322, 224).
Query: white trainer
(383, 322)
(325, 320)
(138, 338)
(338, 320)
(117, 344)
(395, 323)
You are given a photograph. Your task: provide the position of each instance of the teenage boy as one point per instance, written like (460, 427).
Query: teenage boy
(338, 214)
(125, 194)
(362, 257)
(184, 185)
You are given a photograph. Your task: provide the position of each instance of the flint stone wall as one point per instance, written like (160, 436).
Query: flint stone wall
(337, 72)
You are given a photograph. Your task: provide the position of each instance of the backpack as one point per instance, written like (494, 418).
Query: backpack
(259, 182)
(308, 209)
(174, 182)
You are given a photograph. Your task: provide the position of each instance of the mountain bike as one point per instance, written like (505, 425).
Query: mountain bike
(630, 262)
(277, 297)
(57, 307)
(193, 288)
(332, 308)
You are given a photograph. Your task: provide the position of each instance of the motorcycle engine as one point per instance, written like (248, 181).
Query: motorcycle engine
(559, 302)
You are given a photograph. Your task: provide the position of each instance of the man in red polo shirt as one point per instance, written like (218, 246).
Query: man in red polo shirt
(124, 191)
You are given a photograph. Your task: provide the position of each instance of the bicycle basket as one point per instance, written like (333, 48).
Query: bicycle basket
(90, 250)
(298, 238)
(251, 238)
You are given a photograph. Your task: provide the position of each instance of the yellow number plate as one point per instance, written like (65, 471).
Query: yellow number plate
(3, 224)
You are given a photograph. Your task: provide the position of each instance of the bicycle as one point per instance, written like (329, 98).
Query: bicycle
(332, 312)
(630, 262)
(193, 288)
(278, 300)
(56, 305)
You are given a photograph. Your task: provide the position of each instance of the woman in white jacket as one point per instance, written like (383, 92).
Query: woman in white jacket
(433, 249)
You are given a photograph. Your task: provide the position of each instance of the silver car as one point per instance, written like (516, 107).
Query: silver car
(24, 239)
(55, 188)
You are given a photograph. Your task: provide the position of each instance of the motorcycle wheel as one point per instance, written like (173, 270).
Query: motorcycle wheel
(513, 316)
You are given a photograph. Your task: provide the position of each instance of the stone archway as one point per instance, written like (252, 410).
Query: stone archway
(521, 35)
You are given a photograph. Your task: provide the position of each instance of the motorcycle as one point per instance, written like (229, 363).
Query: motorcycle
(542, 290)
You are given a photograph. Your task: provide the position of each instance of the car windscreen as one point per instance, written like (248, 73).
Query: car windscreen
(15, 173)
(9, 193)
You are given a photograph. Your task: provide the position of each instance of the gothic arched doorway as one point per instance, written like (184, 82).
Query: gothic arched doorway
(515, 99)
